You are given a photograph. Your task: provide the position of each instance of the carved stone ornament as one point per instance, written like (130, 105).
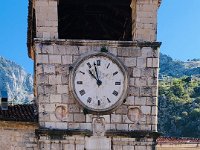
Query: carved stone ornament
(61, 113)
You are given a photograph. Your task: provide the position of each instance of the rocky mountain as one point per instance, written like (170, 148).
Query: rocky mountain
(16, 81)
(176, 68)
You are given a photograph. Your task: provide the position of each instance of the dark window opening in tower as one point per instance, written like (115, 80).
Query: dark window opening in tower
(95, 19)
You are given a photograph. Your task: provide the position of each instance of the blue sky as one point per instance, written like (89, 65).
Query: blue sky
(178, 30)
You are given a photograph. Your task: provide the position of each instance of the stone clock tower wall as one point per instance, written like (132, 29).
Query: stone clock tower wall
(64, 124)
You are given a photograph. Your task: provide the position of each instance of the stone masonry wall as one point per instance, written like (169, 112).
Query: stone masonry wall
(17, 136)
(57, 107)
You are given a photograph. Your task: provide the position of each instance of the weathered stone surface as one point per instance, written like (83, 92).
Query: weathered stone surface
(102, 142)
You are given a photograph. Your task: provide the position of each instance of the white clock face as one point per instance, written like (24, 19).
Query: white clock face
(99, 82)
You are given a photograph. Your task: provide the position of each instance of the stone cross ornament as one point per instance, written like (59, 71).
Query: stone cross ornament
(99, 82)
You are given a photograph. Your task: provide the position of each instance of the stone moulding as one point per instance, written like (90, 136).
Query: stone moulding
(61, 134)
(134, 134)
(98, 43)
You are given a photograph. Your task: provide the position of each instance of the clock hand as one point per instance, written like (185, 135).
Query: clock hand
(96, 71)
(99, 82)
(90, 72)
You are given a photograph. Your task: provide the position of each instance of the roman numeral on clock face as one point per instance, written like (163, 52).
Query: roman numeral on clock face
(108, 100)
(108, 66)
(115, 93)
(89, 99)
(99, 102)
(82, 92)
(115, 73)
(117, 83)
(79, 82)
(98, 62)
(89, 65)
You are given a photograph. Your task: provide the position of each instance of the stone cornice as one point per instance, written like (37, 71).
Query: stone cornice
(99, 43)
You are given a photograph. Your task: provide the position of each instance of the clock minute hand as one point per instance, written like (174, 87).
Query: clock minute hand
(96, 71)
(99, 82)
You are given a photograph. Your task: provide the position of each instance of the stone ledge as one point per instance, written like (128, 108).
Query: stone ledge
(134, 134)
(99, 43)
(60, 134)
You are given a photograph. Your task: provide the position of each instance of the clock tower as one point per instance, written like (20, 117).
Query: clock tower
(96, 73)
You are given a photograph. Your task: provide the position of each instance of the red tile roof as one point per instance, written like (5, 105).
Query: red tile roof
(24, 113)
(180, 140)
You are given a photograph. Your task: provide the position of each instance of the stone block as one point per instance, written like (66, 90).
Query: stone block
(139, 82)
(49, 107)
(89, 117)
(121, 52)
(50, 125)
(147, 52)
(110, 126)
(132, 82)
(123, 109)
(149, 62)
(136, 72)
(42, 59)
(117, 147)
(74, 125)
(135, 52)
(125, 119)
(86, 126)
(146, 91)
(42, 79)
(116, 118)
(147, 72)
(61, 125)
(151, 81)
(55, 79)
(140, 101)
(128, 147)
(152, 101)
(79, 117)
(130, 62)
(49, 89)
(138, 147)
(154, 110)
(80, 147)
(55, 59)
(65, 99)
(67, 59)
(134, 91)
(106, 118)
(141, 62)
(102, 142)
(62, 89)
(49, 69)
(154, 91)
(72, 50)
(123, 127)
(130, 100)
(47, 49)
(69, 146)
(146, 110)
(55, 98)
(62, 69)
(73, 108)
(46, 35)
(113, 50)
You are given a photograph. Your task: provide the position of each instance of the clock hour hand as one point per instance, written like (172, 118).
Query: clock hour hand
(90, 72)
